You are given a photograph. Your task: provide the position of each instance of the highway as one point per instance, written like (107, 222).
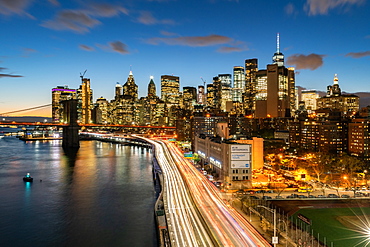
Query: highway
(185, 225)
(195, 211)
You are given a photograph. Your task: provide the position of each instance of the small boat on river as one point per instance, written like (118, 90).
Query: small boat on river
(28, 178)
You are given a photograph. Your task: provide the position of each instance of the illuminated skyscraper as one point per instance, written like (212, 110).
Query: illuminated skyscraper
(201, 95)
(278, 57)
(239, 83)
(217, 90)
(189, 98)
(251, 69)
(211, 96)
(130, 89)
(309, 97)
(85, 101)
(347, 104)
(118, 90)
(100, 112)
(275, 92)
(270, 92)
(170, 89)
(59, 94)
(226, 90)
(151, 88)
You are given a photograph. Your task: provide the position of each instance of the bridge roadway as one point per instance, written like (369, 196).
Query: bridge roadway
(195, 211)
(45, 124)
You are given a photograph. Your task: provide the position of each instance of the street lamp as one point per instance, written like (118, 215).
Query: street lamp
(275, 239)
(365, 173)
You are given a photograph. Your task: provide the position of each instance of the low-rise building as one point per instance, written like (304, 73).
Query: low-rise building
(231, 162)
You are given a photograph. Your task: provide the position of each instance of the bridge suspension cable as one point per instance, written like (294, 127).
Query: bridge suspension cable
(27, 109)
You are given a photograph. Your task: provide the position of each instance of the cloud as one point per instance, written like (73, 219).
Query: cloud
(106, 10)
(165, 33)
(358, 54)
(148, 19)
(28, 51)
(194, 41)
(228, 49)
(86, 48)
(311, 61)
(74, 20)
(82, 21)
(7, 75)
(321, 7)
(54, 2)
(290, 9)
(10, 7)
(119, 47)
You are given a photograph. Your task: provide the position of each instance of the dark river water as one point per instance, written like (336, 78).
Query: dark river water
(102, 196)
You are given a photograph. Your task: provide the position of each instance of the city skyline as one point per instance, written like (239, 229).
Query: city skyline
(49, 44)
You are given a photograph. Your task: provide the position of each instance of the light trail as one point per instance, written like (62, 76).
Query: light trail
(185, 226)
(226, 224)
(195, 211)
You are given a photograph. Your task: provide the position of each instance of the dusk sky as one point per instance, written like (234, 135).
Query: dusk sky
(48, 43)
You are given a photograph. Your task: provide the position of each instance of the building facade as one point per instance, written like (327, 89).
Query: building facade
(170, 89)
(348, 104)
(85, 102)
(231, 163)
(59, 94)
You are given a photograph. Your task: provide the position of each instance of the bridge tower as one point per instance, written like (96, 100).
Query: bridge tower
(70, 132)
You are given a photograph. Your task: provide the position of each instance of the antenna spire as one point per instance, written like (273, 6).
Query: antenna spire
(278, 43)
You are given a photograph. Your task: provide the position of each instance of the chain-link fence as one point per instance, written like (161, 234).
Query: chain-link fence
(291, 231)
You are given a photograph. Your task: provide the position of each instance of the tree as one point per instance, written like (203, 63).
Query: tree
(321, 163)
(351, 165)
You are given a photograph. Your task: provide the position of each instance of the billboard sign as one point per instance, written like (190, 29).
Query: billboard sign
(240, 148)
(240, 156)
(240, 164)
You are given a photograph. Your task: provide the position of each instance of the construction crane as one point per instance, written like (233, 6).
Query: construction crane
(82, 75)
(204, 82)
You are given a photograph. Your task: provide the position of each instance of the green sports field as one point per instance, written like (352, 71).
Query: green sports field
(341, 227)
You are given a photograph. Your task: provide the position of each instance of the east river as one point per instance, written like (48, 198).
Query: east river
(102, 196)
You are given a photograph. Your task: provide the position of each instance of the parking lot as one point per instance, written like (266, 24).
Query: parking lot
(292, 193)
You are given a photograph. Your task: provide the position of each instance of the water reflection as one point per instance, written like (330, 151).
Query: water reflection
(99, 195)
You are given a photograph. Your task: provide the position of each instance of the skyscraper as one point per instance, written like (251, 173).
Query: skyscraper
(211, 96)
(226, 90)
(85, 101)
(309, 97)
(347, 104)
(275, 92)
(130, 89)
(118, 91)
(170, 89)
(251, 69)
(100, 112)
(189, 98)
(59, 94)
(201, 95)
(278, 57)
(239, 83)
(151, 88)
(270, 92)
